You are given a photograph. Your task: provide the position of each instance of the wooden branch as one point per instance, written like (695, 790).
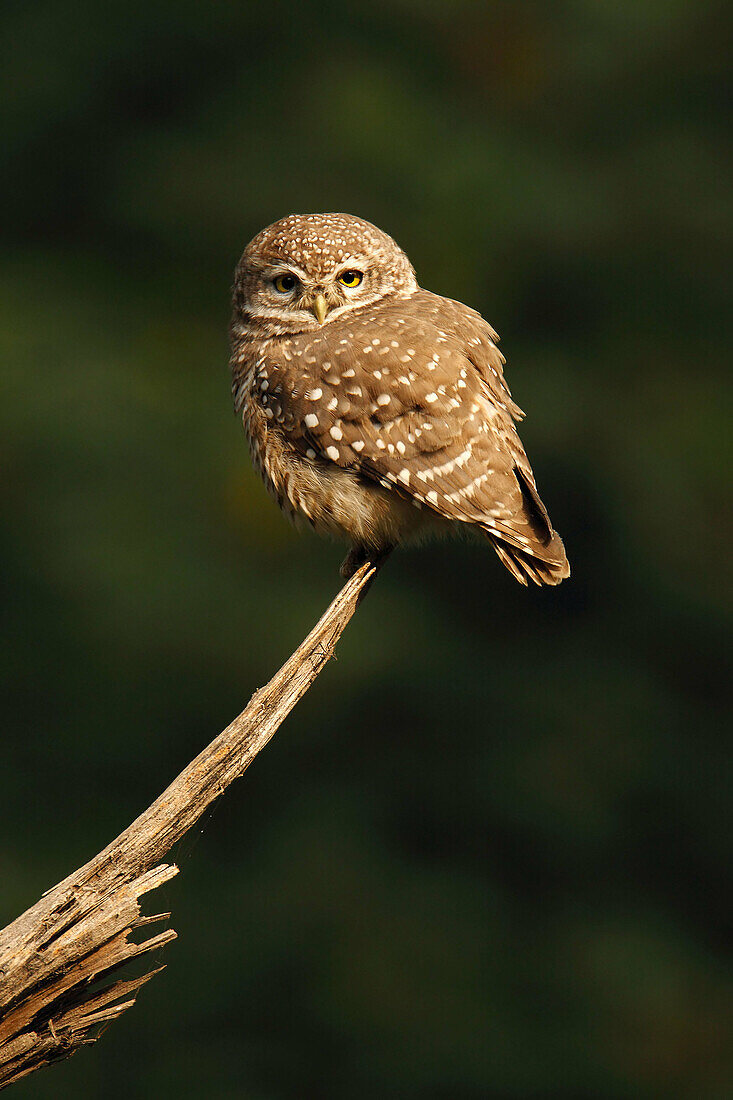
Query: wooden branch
(53, 957)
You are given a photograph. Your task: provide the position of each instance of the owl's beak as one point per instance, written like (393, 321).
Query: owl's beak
(319, 306)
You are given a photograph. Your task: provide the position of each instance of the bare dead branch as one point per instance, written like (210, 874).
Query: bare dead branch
(54, 956)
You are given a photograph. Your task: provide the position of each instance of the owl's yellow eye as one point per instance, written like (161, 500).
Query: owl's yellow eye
(284, 283)
(350, 278)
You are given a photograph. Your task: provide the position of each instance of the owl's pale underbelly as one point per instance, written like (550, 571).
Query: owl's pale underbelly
(331, 499)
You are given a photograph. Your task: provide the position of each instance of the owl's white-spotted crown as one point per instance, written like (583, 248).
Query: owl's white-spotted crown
(311, 252)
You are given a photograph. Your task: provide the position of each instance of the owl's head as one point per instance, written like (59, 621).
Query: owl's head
(307, 270)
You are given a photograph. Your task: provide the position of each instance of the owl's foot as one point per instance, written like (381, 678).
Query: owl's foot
(359, 555)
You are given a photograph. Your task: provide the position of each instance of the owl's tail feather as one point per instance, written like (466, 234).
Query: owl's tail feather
(551, 568)
(529, 546)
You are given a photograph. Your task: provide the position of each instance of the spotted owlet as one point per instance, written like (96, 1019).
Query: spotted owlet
(376, 410)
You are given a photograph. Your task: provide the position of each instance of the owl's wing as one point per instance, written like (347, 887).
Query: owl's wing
(423, 409)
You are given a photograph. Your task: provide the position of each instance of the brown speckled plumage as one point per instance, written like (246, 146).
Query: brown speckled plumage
(389, 416)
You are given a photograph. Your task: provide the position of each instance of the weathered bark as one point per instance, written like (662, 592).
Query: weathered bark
(54, 957)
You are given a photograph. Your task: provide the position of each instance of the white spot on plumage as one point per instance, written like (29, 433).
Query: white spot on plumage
(336, 433)
(311, 421)
(333, 453)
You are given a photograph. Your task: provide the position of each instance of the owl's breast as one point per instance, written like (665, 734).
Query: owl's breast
(270, 388)
(332, 500)
(261, 395)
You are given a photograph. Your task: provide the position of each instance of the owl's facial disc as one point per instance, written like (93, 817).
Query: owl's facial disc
(293, 294)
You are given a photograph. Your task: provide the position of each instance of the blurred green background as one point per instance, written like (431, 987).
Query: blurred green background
(486, 856)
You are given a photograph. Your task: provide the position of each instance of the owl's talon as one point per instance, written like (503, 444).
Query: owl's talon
(360, 555)
(354, 560)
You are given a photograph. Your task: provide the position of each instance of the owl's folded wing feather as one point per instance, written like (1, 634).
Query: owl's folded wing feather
(423, 409)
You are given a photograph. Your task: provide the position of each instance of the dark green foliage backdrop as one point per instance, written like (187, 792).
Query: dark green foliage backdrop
(485, 857)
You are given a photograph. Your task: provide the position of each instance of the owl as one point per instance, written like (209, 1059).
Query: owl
(375, 410)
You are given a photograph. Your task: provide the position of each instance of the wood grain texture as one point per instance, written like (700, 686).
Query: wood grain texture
(55, 958)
